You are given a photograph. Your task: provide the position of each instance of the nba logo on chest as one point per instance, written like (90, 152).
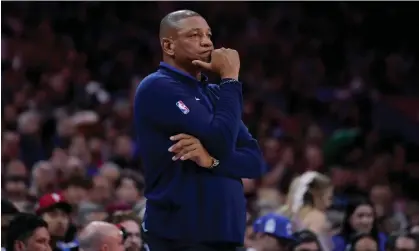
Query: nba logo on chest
(182, 107)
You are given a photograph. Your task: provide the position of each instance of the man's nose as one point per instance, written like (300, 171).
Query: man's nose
(206, 42)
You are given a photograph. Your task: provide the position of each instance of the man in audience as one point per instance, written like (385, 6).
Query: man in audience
(273, 233)
(305, 240)
(130, 224)
(55, 210)
(100, 235)
(28, 232)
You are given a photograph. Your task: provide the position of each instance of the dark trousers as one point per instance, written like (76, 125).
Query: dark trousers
(156, 243)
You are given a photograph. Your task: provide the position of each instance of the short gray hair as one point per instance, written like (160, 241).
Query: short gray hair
(111, 165)
(92, 235)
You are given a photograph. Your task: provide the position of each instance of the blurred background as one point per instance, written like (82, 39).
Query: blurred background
(331, 87)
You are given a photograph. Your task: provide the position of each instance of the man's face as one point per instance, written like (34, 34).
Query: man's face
(39, 241)
(101, 191)
(113, 241)
(123, 146)
(111, 174)
(15, 186)
(405, 244)
(127, 191)
(193, 40)
(133, 241)
(269, 243)
(45, 176)
(308, 246)
(75, 194)
(58, 222)
(16, 168)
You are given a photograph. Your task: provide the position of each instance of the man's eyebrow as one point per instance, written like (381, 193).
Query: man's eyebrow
(196, 29)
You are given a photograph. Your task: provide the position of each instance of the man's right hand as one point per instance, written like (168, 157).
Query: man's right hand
(225, 62)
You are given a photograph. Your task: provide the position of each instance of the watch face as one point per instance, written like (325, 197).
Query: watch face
(216, 162)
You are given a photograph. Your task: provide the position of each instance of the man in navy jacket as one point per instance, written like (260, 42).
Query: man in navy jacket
(193, 144)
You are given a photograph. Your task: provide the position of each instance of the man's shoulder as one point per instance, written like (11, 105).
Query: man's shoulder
(153, 78)
(155, 81)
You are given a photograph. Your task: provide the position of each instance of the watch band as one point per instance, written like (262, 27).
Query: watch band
(229, 81)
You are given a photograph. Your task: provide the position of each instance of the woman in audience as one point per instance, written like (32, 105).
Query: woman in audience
(359, 218)
(309, 196)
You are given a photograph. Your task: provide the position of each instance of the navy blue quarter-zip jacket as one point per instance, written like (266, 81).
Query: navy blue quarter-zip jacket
(186, 202)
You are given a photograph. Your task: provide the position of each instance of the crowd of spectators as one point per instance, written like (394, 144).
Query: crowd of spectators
(313, 74)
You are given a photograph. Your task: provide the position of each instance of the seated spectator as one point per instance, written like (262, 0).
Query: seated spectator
(111, 171)
(362, 242)
(130, 224)
(273, 232)
(359, 218)
(401, 242)
(99, 235)
(55, 210)
(309, 196)
(75, 190)
(130, 188)
(28, 232)
(89, 212)
(305, 240)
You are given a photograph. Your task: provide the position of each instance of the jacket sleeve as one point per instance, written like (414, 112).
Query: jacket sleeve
(169, 106)
(246, 161)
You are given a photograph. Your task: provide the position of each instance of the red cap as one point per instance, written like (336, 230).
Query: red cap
(52, 201)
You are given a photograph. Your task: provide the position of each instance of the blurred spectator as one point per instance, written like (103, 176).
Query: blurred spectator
(43, 179)
(89, 212)
(273, 232)
(99, 234)
(401, 242)
(55, 210)
(101, 191)
(130, 188)
(360, 218)
(111, 171)
(309, 196)
(305, 240)
(28, 232)
(131, 225)
(362, 242)
(75, 190)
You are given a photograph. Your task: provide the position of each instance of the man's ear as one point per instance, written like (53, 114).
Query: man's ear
(19, 246)
(168, 46)
(104, 247)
